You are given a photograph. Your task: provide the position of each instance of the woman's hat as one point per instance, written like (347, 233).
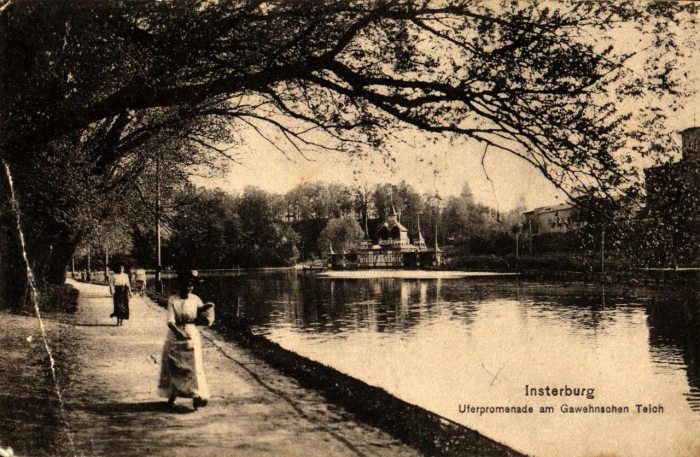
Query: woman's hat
(188, 276)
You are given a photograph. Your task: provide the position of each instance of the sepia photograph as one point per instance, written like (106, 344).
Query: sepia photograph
(242, 228)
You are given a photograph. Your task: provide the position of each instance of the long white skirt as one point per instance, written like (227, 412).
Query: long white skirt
(181, 369)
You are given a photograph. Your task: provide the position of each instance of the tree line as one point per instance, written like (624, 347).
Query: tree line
(213, 229)
(205, 228)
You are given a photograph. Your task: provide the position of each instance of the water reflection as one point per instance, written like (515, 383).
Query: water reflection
(437, 343)
(674, 337)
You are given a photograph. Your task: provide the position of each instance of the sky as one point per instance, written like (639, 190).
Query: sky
(428, 167)
(503, 182)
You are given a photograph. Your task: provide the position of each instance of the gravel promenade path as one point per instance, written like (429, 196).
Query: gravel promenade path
(108, 377)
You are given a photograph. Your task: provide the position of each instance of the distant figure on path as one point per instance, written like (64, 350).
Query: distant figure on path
(141, 281)
(182, 370)
(120, 288)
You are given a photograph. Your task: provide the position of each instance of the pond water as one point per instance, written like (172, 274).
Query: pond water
(488, 342)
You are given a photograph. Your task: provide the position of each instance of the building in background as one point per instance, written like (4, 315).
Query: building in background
(672, 207)
(561, 218)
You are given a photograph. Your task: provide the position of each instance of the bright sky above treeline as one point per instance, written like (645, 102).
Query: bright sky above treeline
(440, 167)
(428, 167)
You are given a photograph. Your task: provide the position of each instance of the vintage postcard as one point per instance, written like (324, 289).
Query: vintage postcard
(324, 227)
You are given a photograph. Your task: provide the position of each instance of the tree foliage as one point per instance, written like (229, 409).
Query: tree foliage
(107, 85)
(211, 229)
(342, 234)
(530, 78)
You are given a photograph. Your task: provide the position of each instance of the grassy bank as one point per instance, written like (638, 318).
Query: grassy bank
(31, 422)
(30, 414)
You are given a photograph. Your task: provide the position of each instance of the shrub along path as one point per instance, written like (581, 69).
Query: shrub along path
(108, 377)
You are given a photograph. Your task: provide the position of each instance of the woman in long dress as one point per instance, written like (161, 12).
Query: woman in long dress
(182, 370)
(121, 293)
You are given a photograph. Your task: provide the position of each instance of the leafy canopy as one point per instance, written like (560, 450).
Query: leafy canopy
(542, 80)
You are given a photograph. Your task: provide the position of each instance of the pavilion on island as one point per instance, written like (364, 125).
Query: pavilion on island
(393, 249)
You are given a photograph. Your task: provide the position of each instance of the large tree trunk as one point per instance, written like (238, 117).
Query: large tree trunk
(14, 282)
(49, 251)
(45, 246)
(62, 251)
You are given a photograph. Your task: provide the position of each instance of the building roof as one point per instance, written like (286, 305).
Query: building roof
(393, 211)
(550, 209)
(394, 220)
(420, 242)
(401, 227)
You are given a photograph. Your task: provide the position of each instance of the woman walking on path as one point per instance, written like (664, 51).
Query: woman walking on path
(120, 287)
(182, 370)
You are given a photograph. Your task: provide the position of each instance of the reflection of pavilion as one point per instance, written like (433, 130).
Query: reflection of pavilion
(394, 249)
